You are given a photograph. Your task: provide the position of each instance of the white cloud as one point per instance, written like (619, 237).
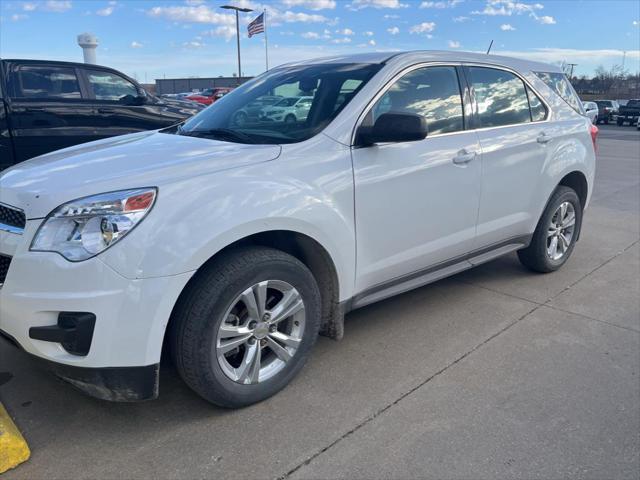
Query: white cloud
(393, 30)
(194, 2)
(299, 17)
(440, 4)
(225, 31)
(311, 4)
(460, 19)
(424, 27)
(105, 12)
(16, 17)
(135, 44)
(359, 4)
(192, 14)
(514, 7)
(57, 5)
(345, 31)
(507, 27)
(341, 40)
(454, 44)
(368, 33)
(546, 20)
(372, 42)
(310, 35)
(636, 23)
(390, 16)
(194, 44)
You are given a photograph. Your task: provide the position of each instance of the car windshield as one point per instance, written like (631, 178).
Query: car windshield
(326, 88)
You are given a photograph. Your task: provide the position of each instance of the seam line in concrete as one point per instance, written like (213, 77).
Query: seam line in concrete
(382, 410)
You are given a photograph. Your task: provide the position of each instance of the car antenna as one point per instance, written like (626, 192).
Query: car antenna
(490, 45)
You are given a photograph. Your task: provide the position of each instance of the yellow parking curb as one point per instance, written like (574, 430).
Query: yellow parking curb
(13, 448)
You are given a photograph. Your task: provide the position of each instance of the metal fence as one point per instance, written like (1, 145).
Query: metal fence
(179, 85)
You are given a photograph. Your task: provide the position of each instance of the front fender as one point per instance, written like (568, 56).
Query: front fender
(303, 191)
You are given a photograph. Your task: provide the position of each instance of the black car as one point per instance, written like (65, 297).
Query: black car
(48, 105)
(607, 110)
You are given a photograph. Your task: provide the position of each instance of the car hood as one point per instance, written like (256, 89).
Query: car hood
(182, 104)
(146, 159)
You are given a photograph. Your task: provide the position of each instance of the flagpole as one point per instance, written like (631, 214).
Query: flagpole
(266, 42)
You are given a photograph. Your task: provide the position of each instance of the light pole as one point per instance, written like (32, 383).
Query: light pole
(237, 9)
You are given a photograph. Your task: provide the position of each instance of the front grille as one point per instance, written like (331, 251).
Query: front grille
(12, 217)
(4, 267)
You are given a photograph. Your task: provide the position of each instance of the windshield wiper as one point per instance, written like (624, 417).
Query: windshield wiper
(223, 133)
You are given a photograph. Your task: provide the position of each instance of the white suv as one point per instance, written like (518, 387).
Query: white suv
(235, 246)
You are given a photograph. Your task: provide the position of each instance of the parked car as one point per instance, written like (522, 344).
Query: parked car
(607, 111)
(591, 110)
(208, 96)
(234, 246)
(638, 123)
(49, 105)
(288, 110)
(629, 112)
(253, 110)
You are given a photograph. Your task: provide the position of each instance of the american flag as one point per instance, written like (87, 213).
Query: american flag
(256, 26)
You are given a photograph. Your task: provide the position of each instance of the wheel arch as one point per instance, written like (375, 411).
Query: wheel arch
(578, 182)
(301, 246)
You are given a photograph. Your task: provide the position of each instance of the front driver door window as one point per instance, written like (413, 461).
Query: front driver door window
(415, 207)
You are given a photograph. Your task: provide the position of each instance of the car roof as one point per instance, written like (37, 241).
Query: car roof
(434, 56)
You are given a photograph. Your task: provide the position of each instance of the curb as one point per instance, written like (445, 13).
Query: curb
(13, 447)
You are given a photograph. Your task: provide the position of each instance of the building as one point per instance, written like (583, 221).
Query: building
(180, 85)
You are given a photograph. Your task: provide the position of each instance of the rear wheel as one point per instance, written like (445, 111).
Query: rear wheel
(246, 326)
(556, 234)
(290, 119)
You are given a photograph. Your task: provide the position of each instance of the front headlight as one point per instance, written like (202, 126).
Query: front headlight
(83, 228)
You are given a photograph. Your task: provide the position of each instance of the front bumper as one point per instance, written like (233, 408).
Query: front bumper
(131, 316)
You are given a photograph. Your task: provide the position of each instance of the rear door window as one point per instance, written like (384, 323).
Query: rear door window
(559, 83)
(501, 97)
(109, 86)
(45, 82)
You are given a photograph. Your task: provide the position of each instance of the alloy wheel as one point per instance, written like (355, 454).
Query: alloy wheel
(261, 332)
(560, 231)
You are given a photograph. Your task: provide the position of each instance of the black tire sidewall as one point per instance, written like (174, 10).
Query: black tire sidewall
(561, 195)
(212, 383)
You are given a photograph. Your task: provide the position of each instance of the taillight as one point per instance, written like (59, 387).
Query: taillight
(594, 137)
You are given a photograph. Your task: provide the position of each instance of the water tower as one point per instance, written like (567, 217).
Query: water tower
(88, 42)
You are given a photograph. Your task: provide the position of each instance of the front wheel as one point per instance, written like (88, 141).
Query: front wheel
(556, 233)
(246, 326)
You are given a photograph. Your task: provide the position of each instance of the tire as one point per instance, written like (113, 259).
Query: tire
(290, 119)
(537, 256)
(620, 122)
(202, 309)
(240, 118)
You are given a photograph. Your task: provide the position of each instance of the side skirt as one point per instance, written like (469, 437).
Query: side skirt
(434, 273)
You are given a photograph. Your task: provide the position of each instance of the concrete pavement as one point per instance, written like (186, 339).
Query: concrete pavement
(494, 373)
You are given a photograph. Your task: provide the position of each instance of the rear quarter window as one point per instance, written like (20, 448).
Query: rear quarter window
(559, 83)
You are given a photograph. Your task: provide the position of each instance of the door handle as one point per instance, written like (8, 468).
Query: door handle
(463, 157)
(544, 138)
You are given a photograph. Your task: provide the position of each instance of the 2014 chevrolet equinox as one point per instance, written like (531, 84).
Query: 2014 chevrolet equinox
(238, 242)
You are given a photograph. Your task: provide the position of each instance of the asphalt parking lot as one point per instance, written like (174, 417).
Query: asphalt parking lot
(495, 373)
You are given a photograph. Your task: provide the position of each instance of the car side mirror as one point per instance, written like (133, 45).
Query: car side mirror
(393, 128)
(131, 100)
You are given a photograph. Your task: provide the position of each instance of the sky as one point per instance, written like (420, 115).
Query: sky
(150, 39)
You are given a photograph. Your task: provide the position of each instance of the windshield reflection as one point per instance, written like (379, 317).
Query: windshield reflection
(285, 105)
